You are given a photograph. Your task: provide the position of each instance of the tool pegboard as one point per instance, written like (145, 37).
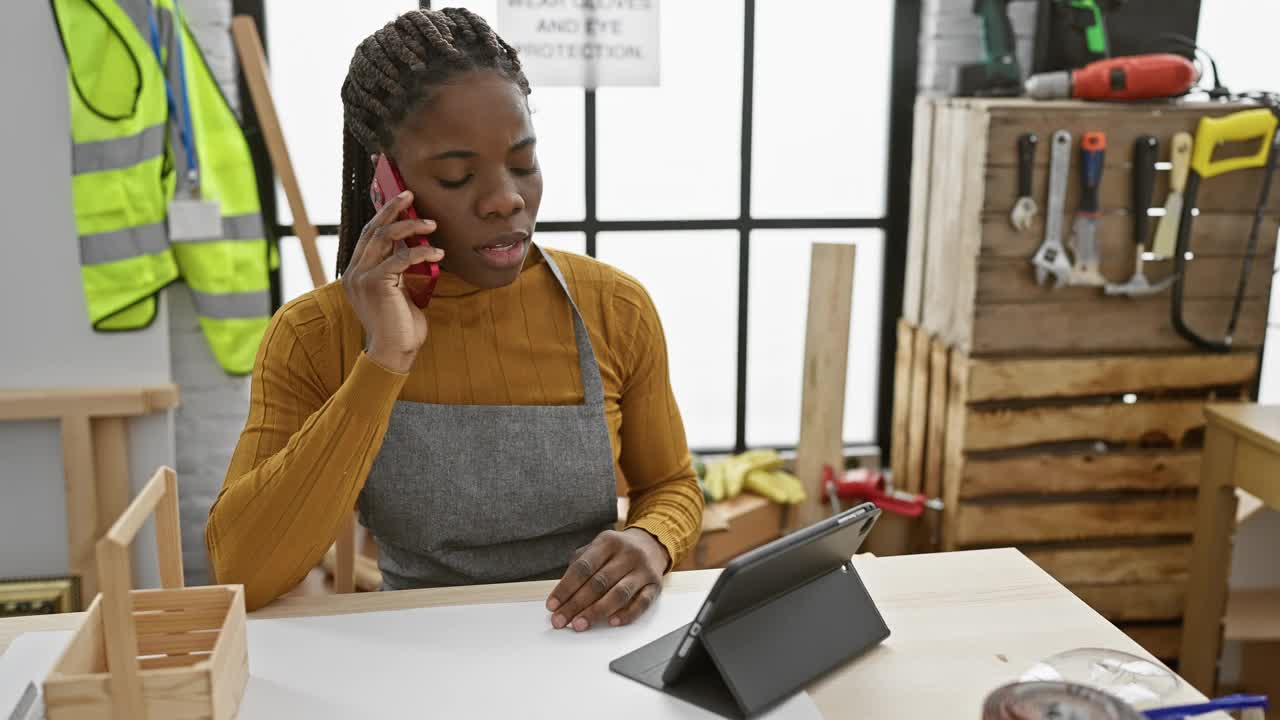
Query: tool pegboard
(970, 280)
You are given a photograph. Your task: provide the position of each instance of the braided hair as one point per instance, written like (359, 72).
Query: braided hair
(392, 74)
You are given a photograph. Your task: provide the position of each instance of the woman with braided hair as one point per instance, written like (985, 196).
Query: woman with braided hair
(485, 438)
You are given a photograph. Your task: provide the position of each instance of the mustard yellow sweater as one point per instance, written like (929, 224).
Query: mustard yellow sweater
(319, 408)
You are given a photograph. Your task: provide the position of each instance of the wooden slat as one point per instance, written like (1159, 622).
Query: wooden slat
(1130, 564)
(918, 415)
(168, 533)
(953, 450)
(937, 418)
(1008, 523)
(177, 643)
(826, 357)
(85, 652)
(111, 469)
(1112, 422)
(1161, 640)
(1048, 474)
(1002, 280)
(170, 693)
(119, 630)
(230, 670)
(902, 401)
(1216, 234)
(81, 501)
(253, 63)
(53, 403)
(1231, 192)
(180, 620)
(1018, 379)
(921, 196)
(1134, 601)
(1123, 123)
(943, 206)
(171, 661)
(1135, 325)
(194, 598)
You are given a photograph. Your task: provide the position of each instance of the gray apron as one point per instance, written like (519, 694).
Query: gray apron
(467, 494)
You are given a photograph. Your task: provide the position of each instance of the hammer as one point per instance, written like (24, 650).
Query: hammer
(1146, 150)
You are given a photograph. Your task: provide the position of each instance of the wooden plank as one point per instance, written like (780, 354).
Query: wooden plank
(193, 598)
(922, 151)
(181, 692)
(86, 651)
(81, 501)
(1223, 234)
(230, 670)
(1132, 326)
(168, 533)
(177, 643)
(902, 401)
(937, 418)
(1017, 379)
(180, 620)
(953, 461)
(918, 415)
(91, 401)
(826, 353)
(171, 661)
(1161, 640)
(1002, 280)
(1120, 564)
(1235, 192)
(1252, 615)
(1210, 561)
(111, 469)
(253, 63)
(126, 527)
(1134, 601)
(1006, 523)
(1066, 474)
(1114, 422)
(1123, 124)
(118, 628)
(945, 171)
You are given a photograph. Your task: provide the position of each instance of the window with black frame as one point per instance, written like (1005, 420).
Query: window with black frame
(769, 132)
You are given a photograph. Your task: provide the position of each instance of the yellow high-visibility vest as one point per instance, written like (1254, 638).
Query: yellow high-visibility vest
(125, 174)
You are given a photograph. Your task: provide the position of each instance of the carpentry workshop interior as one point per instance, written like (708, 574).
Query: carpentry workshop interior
(618, 359)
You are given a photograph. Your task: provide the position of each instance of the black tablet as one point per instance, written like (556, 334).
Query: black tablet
(777, 618)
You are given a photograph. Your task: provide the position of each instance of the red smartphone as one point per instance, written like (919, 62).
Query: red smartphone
(420, 279)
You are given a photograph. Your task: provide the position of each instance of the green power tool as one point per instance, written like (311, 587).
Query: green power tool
(998, 74)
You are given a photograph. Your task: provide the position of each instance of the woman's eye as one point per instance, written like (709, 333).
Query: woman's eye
(454, 183)
(525, 172)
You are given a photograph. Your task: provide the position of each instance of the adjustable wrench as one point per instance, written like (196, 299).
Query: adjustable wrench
(1024, 210)
(1051, 257)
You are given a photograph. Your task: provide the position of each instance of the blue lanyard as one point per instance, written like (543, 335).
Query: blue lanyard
(185, 132)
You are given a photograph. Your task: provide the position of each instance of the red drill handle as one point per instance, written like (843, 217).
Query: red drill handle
(1134, 77)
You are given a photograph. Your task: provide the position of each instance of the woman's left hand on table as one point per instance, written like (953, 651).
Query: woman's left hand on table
(611, 581)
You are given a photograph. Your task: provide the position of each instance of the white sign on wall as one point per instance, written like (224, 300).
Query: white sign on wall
(584, 43)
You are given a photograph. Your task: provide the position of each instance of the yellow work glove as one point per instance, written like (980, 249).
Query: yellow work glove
(777, 485)
(726, 478)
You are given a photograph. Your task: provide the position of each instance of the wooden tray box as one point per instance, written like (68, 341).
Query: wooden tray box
(170, 653)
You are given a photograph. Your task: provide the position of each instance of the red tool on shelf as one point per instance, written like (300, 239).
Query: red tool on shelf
(872, 485)
(1132, 77)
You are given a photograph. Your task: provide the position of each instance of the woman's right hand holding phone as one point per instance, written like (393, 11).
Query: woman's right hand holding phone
(394, 327)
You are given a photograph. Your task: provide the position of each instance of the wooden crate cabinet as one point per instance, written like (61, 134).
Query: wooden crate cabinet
(1064, 422)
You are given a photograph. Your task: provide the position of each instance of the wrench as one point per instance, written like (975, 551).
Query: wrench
(1051, 257)
(1024, 210)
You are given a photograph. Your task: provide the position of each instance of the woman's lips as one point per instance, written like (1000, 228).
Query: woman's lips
(505, 251)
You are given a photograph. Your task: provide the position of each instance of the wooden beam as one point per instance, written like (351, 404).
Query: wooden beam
(1066, 474)
(917, 416)
(826, 357)
(1019, 379)
(1110, 422)
(81, 502)
(111, 469)
(902, 401)
(1009, 523)
(106, 401)
(253, 63)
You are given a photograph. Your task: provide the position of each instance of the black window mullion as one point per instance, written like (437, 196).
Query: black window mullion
(744, 217)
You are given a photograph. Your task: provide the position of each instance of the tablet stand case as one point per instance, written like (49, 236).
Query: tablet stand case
(747, 663)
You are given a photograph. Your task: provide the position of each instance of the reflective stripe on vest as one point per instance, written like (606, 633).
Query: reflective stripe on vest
(226, 306)
(102, 155)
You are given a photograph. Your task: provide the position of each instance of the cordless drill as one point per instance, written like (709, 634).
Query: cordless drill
(998, 74)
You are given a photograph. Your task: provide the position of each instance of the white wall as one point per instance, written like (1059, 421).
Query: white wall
(45, 337)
